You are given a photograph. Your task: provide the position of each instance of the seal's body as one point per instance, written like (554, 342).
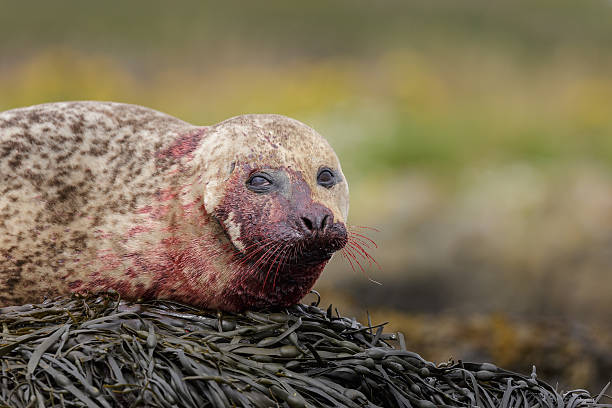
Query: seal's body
(97, 196)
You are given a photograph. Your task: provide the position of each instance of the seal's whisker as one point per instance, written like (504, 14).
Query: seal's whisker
(246, 258)
(351, 255)
(298, 250)
(272, 264)
(357, 246)
(355, 234)
(364, 253)
(293, 252)
(362, 242)
(343, 252)
(265, 240)
(362, 238)
(251, 257)
(251, 269)
(257, 244)
(264, 258)
(358, 249)
(280, 262)
(363, 227)
(271, 259)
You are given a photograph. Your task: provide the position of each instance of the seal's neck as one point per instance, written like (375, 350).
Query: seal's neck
(279, 288)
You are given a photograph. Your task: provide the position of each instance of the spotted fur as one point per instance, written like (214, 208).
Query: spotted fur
(97, 196)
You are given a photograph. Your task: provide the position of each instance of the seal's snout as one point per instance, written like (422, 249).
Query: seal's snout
(316, 222)
(320, 235)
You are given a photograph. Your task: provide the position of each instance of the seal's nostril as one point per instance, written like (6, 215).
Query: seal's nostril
(308, 224)
(324, 222)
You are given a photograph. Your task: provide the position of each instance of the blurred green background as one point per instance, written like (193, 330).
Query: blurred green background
(476, 137)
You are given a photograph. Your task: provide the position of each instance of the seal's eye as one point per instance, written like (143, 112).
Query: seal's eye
(326, 178)
(259, 183)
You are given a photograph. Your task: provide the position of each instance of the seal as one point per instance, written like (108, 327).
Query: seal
(98, 196)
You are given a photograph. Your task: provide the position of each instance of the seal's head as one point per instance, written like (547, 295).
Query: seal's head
(282, 201)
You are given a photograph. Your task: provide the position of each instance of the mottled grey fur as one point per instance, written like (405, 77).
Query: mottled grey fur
(63, 166)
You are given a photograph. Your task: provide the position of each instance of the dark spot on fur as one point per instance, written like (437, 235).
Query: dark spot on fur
(35, 178)
(65, 193)
(34, 117)
(15, 162)
(14, 121)
(9, 146)
(77, 127)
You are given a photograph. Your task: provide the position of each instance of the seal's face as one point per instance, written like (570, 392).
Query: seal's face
(272, 211)
(283, 205)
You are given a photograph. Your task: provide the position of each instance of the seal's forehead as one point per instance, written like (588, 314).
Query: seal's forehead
(275, 140)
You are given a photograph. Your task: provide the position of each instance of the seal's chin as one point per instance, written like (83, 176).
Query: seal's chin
(277, 270)
(283, 255)
(314, 260)
(310, 258)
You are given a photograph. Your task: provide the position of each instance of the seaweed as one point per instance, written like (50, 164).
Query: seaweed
(101, 351)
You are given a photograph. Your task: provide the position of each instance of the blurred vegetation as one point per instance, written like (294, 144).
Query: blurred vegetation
(476, 136)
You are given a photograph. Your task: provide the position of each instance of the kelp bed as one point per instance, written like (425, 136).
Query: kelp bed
(104, 352)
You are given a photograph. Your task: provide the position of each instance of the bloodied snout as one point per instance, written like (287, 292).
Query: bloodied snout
(283, 237)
